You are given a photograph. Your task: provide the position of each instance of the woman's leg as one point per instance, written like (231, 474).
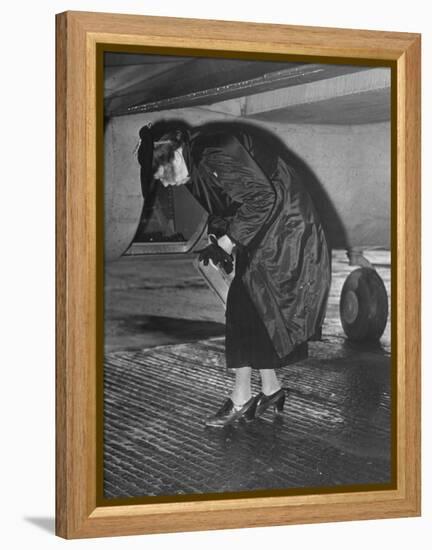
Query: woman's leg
(242, 386)
(269, 381)
(241, 404)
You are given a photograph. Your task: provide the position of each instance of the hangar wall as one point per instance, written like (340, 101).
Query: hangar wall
(347, 167)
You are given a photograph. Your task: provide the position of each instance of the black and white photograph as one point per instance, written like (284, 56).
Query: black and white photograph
(247, 225)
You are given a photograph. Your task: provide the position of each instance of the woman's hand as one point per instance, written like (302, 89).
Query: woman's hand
(226, 244)
(216, 255)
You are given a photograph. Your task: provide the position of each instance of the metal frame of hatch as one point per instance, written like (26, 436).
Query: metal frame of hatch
(137, 249)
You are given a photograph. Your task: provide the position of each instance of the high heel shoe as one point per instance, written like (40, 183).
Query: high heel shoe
(275, 400)
(229, 413)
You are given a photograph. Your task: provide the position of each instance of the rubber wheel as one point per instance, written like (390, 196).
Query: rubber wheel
(363, 305)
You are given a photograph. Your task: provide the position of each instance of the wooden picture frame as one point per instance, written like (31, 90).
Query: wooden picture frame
(78, 266)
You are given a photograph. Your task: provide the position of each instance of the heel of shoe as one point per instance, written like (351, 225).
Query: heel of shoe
(249, 414)
(279, 405)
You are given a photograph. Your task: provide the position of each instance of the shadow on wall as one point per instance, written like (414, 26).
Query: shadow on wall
(269, 141)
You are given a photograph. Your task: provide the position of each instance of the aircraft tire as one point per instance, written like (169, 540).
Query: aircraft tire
(363, 305)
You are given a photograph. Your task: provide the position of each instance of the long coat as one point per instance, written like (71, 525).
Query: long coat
(243, 179)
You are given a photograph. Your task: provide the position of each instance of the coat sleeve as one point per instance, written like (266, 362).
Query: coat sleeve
(245, 182)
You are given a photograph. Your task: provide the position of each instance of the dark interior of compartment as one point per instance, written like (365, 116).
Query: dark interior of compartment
(172, 215)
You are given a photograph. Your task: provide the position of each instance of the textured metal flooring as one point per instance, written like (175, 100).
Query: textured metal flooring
(334, 430)
(336, 426)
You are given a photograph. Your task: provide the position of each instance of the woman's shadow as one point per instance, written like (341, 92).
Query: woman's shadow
(268, 145)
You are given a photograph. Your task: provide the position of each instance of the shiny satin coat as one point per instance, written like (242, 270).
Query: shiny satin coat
(244, 182)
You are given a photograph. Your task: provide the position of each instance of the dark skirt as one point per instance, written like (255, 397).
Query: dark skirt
(247, 343)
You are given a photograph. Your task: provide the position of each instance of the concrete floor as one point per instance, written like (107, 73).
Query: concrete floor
(153, 300)
(164, 373)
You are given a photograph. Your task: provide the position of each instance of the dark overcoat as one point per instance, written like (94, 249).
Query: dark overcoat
(244, 180)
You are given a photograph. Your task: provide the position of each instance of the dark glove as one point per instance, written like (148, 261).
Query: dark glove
(217, 255)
